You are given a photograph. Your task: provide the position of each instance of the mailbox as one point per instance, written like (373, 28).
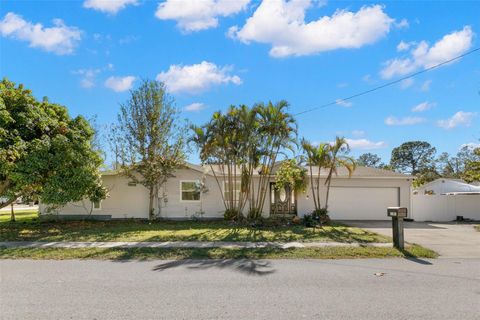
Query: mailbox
(398, 212)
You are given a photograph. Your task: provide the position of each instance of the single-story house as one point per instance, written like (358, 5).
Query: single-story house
(446, 200)
(444, 186)
(365, 196)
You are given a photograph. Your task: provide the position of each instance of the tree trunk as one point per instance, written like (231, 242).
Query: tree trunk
(150, 203)
(12, 213)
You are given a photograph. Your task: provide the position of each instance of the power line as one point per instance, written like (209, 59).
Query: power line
(388, 83)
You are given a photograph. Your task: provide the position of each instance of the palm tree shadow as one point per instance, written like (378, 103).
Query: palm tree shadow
(246, 266)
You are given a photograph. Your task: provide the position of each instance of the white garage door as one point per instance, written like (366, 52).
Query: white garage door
(360, 203)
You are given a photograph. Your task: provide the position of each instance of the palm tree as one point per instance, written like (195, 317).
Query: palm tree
(338, 158)
(317, 156)
(276, 132)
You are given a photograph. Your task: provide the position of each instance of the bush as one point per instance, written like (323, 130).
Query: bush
(317, 217)
(321, 215)
(232, 215)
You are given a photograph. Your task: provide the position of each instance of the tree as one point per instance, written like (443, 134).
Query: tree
(276, 133)
(370, 160)
(227, 145)
(291, 175)
(472, 168)
(44, 152)
(413, 157)
(241, 142)
(338, 158)
(150, 139)
(319, 157)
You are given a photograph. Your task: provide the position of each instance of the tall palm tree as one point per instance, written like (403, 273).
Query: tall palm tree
(338, 158)
(276, 132)
(317, 156)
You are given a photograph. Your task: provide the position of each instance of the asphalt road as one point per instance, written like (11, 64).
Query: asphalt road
(241, 289)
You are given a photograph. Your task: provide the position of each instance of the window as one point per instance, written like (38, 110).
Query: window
(97, 205)
(236, 189)
(190, 190)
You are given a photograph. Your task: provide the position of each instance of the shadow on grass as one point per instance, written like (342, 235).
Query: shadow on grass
(246, 266)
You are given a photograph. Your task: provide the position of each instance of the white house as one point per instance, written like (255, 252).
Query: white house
(445, 200)
(363, 196)
(444, 186)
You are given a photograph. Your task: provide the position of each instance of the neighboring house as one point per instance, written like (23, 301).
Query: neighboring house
(446, 200)
(194, 192)
(444, 186)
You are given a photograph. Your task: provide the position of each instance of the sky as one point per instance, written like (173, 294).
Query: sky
(211, 54)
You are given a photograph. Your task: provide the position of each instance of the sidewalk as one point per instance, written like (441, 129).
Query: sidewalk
(186, 244)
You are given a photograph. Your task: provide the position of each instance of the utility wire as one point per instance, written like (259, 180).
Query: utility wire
(388, 83)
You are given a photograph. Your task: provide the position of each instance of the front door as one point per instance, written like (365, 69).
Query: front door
(282, 201)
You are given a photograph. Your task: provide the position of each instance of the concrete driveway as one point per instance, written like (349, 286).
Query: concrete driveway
(450, 240)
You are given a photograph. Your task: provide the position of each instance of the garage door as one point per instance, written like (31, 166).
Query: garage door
(360, 203)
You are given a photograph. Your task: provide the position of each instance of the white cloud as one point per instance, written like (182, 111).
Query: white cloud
(406, 121)
(343, 103)
(108, 6)
(282, 25)
(425, 85)
(364, 144)
(87, 77)
(459, 118)
(424, 106)
(198, 15)
(425, 56)
(196, 78)
(120, 84)
(403, 46)
(358, 133)
(196, 106)
(407, 83)
(402, 24)
(59, 39)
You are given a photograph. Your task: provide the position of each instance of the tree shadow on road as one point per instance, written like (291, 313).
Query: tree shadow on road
(246, 266)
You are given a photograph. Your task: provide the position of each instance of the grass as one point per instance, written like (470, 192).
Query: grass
(477, 227)
(119, 254)
(29, 228)
(20, 216)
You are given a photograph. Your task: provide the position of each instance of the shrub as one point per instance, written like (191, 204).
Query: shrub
(232, 215)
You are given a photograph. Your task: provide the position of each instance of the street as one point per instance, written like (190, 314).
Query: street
(241, 289)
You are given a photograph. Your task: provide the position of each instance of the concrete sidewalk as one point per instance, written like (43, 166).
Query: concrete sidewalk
(186, 244)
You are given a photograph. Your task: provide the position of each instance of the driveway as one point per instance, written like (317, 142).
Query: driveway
(450, 240)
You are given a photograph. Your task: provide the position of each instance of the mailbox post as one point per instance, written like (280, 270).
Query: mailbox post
(397, 214)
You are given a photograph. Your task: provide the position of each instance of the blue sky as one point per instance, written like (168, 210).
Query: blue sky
(86, 55)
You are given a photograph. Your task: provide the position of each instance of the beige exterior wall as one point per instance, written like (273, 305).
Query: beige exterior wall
(359, 198)
(132, 202)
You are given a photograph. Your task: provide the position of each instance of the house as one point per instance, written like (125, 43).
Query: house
(446, 200)
(444, 186)
(194, 192)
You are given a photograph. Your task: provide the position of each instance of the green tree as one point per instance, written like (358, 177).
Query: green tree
(316, 157)
(44, 152)
(241, 143)
(472, 168)
(338, 158)
(370, 160)
(291, 174)
(413, 157)
(150, 139)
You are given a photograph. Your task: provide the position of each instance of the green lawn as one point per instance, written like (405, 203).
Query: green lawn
(477, 227)
(414, 251)
(20, 216)
(28, 228)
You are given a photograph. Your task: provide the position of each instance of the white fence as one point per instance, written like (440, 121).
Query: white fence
(445, 207)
